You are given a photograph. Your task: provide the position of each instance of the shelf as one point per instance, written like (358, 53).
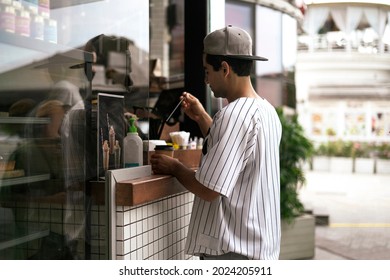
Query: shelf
(35, 51)
(29, 43)
(68, 3)
(24, 120)
(24, 180)
(23, 238)
(43, 46)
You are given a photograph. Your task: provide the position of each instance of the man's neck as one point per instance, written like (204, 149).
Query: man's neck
(241, 88)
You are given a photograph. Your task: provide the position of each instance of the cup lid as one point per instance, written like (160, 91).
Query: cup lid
(163, 148)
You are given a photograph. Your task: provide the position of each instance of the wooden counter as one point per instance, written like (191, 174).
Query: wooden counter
(147, 189)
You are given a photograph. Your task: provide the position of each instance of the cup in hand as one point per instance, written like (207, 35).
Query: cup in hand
(164, 149)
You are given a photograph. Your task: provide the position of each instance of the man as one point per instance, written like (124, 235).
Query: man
(236, 211)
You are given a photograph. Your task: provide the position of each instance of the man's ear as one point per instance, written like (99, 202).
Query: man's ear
(225, 67)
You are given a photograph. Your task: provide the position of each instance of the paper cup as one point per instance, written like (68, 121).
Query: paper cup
(164, 149)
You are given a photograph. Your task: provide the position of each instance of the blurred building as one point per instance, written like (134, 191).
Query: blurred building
(274, 27)
(343, 71)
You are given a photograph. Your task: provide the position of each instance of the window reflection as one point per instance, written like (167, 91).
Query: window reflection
(48, 121)
(167, 65)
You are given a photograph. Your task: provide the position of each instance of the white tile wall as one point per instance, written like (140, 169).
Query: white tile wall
(60, 221)
(151, 231)
(154, 231)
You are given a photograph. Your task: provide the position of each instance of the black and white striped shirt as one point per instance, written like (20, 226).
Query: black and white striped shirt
(242, 164)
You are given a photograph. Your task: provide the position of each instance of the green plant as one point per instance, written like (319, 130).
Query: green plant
(295, 148)
(322, 150)
(383, 151)
(337, 148)
(363, 150)
(341, 148)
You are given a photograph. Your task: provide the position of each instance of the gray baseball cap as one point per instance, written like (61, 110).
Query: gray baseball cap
(232, 42)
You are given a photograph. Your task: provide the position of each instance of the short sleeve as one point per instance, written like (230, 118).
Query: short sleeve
(228, 147)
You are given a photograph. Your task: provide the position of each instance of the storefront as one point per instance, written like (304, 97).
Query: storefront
(72, 74)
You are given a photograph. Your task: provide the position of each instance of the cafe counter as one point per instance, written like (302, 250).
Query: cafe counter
(148, 214)
(131, 215)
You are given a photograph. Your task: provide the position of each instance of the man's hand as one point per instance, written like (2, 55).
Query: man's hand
(195, 110)
(163, 164)
(192, 106)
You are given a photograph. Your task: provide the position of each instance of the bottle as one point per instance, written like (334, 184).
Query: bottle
(44, 6)
(132, 147)
(192, 144)
(199, 145)
(37, 24)
(7, 16)
(22, 20)
(50, 30)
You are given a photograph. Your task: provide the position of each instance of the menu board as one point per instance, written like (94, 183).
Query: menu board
(111, 131)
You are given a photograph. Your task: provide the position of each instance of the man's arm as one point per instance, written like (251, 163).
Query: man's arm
(162, 164)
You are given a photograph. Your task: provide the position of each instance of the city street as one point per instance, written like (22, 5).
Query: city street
(358, 206)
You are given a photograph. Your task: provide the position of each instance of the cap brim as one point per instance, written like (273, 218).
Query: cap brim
(248, 57)
(77, 66)
(46, 65)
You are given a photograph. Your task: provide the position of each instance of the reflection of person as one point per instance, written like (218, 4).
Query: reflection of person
(43, 149)
(53, 109)
(236, 212)
(63, 89)
(101, 47)
(21, 108)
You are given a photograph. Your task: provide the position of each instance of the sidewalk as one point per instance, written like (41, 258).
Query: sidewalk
(323, 254)
(358, 206)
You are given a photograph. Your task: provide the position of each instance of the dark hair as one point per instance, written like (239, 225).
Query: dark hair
(242, 67)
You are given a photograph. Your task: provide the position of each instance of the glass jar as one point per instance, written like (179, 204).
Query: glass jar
(7, 16)
(50, 30)
(22, 20)
(44, 6)
(30, 4)
(37, 25)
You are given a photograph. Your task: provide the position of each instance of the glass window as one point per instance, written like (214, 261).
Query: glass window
(56, 59)
(240, 15)
(167, 66)
(269, 40)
